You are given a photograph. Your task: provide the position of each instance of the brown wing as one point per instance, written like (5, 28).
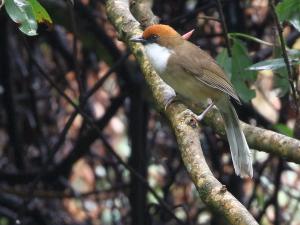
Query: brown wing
(204, 68)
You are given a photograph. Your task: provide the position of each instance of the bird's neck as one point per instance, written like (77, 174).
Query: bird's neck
(158, 56)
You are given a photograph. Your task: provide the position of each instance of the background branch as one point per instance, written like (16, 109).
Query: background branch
(97, 146)
(142, 11)
(260, 139)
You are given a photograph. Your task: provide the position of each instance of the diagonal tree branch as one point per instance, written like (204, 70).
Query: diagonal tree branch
(257, 138)
(142, 11)
(211, 191)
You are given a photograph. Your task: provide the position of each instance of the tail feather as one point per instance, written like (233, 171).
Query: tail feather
(240, 152)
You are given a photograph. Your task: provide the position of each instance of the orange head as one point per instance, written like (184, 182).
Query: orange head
(160, 34)
(159, 30)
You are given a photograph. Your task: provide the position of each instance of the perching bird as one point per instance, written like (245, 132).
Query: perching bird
(195, 75)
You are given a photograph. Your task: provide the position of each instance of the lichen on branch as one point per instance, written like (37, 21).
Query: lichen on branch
(187, 130)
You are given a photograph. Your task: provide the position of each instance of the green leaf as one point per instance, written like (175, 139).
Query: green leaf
(235, 69)
(27, 13)
(283, 129)
(249, 37)
(281, 81)
(20, 11)
(273, 64)
(279, 68)
(225, 62)
(293, 53)
(288, 10)
(240, 76)
(40, 13)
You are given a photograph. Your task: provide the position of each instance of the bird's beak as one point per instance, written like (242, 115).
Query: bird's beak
(138, 39)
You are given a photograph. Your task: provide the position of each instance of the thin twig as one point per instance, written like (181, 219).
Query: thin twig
(106, 144)
(209, 18)
(285, 55)
(273, 200)
(257, 180)
(224, 27)
(190, 15)
(69, 123)
(89, 93)
(78, 74)
(46, 194)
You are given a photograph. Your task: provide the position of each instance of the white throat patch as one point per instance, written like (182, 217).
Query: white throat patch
(158, 56)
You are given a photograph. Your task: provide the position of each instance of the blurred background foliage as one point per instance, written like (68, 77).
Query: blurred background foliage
(57, 167)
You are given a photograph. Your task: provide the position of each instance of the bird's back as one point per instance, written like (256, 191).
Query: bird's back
(202, 67)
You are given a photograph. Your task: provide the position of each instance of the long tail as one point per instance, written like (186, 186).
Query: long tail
(240, 153)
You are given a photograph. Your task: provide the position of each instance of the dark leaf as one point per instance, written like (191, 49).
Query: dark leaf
(288, 10)
(240, 76)
(225, 62)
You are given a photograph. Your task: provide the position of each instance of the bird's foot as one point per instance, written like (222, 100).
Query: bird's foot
(169, 102)
(202, 115)
(169, 96)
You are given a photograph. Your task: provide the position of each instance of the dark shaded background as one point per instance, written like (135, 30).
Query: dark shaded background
(59, 168)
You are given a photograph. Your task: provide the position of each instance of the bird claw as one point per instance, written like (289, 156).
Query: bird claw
(202, 115)
(169, 102)
(169, 95)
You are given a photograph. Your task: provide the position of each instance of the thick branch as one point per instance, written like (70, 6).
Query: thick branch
(142, 11)
(261, 139)
(224, 27)
(186, 129)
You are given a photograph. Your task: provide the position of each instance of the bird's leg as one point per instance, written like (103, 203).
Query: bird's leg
(169, 95)
(201, 116)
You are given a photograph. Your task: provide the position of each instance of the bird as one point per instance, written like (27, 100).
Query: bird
(196, 76)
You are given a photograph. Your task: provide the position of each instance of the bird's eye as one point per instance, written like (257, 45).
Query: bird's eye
(153, 38)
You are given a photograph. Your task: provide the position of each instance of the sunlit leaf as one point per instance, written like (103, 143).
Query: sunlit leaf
(27, 13)
(40, 13)
(272, 64)
(20, 11)
(279, 67)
